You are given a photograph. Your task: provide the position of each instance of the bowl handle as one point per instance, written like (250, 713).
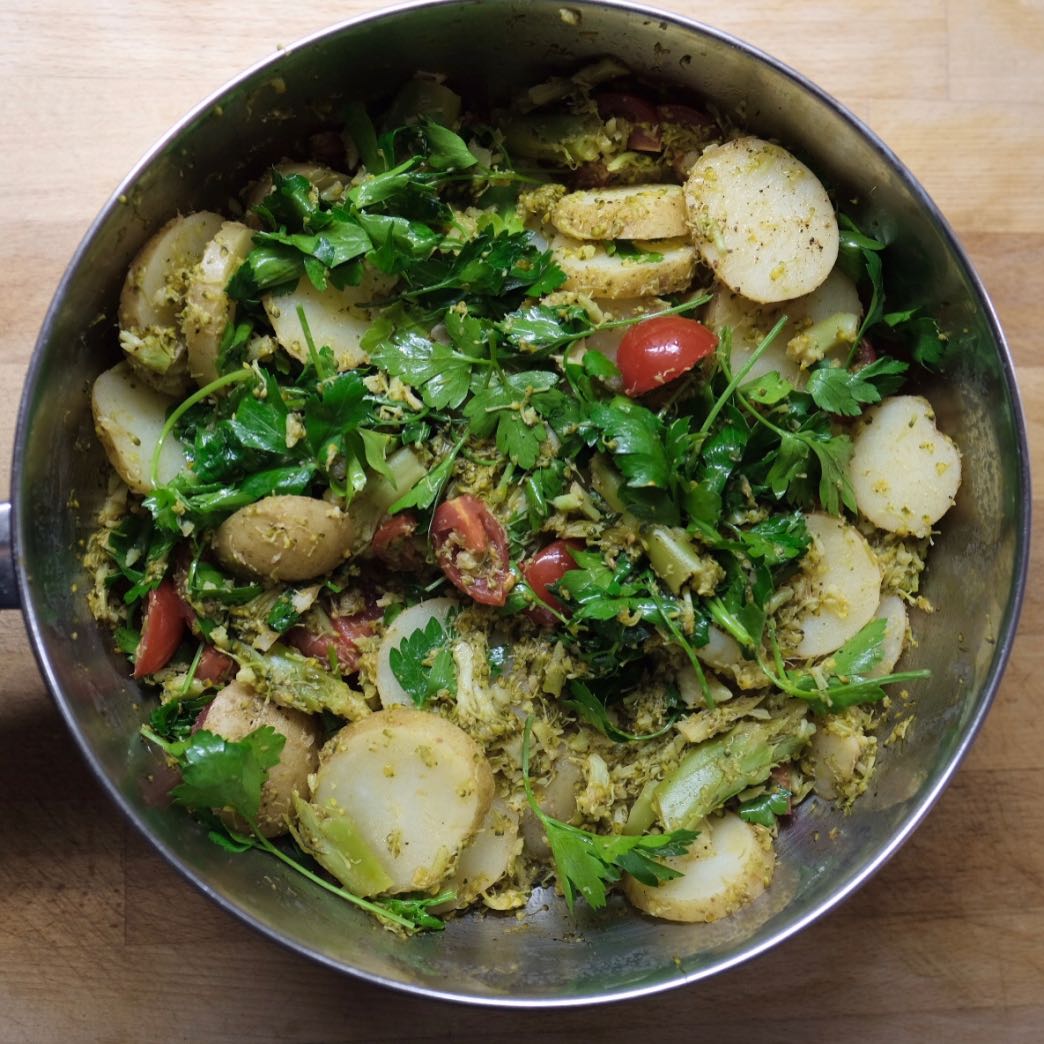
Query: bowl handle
(8, 584)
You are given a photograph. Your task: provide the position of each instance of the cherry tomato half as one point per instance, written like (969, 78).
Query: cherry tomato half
(347, 632)
(161, 630)
(645, 133)
(656, 351)
(394, 545)
(545, 568)
(471, 548)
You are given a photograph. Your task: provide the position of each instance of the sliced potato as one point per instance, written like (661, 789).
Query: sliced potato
(893, 611)
(557, 799)
(750, 322)
(128, 417)
(207, 307)
(761, 219)
(154, 294)
(842, 756)
(415, 787)
(589, 269)
(415, 618)
(370, 507)
(329, 184)
(336, 318)
(904, 471)
(721, 873)
(235, 712)
(284, 538)
(626, 212)
(841, 585)
(487, 857)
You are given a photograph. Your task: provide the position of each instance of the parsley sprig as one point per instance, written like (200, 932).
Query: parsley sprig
(587, 863)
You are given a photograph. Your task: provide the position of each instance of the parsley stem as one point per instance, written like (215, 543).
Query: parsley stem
(740, 374)
(613, 324)
(235, 377)
(191, 671)
(684, 643)
(313, 354)
(374, 908)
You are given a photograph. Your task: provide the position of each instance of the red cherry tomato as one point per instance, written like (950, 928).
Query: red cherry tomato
(471, 548)
(214, 665)
(645, 133)
(393, 543)
(162, 630)
(656, 351)
(347, 632)
(545, 568)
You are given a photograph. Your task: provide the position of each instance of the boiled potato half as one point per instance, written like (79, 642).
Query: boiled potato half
(208, 307)
(841, 582)
(284, 538)
(905, 472)
(154, 294)
(626, 212)
(235, 712)
(761, 220)
(662, 267)
(129, 416)
(722, 872)
(415, 789)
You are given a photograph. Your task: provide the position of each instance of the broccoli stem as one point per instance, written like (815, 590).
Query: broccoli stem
(725, 766)
(671, 555)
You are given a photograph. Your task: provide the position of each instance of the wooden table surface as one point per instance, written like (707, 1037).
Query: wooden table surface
(100, 940)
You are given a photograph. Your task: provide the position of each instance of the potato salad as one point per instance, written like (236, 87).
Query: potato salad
(517, 501)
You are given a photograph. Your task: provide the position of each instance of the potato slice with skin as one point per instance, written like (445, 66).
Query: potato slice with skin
(842, 580)
(750, 322)
(905, 472)
(415, 787)
(761, 220)
(128, 417)
(415, 618)
(153, 295)
(626, 212)
(235, 712)
(284, 538)
(328, 183)
(589, 269)
(336, 318)
(842, 757)
(487, 857)
(893, 611)
(721, 873)
(208, 307)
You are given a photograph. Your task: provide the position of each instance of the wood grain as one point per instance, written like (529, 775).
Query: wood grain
(100, 940)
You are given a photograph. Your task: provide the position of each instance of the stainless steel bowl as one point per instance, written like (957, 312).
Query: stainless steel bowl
(977, 568)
